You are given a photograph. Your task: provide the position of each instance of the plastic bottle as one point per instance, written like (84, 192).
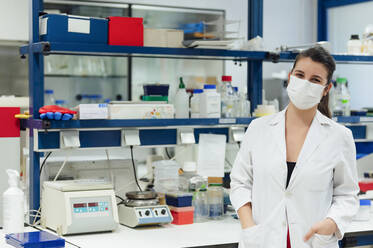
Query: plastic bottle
(354, 45)
(49, 97)
(215, 194)
(13, 205)
(342, 97)
(244, 106)
(227, 98)
(200, 204)
(189, 171)
(194, 103)
(60, 103)
(210, 102)
(181, 102)
(236, 103)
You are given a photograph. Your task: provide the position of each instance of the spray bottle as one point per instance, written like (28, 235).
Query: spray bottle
(13, 205)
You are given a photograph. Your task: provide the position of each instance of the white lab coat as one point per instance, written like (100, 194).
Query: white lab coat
(323, 184)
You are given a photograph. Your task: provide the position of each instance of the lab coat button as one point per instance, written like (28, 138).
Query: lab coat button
(287, 194)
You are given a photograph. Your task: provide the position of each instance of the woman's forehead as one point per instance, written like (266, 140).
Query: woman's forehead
(310, 67)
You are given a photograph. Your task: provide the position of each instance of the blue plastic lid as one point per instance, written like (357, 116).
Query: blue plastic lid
(364, 202)
(60, 102)
(107, 100)
(209, 86)
(40, 239)
(235, 89)
(48, 91)
(197, 91)
(96, 96)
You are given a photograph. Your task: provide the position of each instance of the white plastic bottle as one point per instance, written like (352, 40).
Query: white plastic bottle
(236, 103)
(13, 205)
(227, 99)
(244, 106)
(181, 102)
(354, 45)
(210, 102)
(195, 103)
(49, 97)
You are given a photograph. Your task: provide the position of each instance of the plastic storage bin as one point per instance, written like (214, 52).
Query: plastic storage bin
(126, 31)
(40, 239)
(182, 216)
(179, 200)
(73, 29)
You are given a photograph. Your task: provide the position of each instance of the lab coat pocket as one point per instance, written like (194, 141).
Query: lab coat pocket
(324, 241)
(252, 237)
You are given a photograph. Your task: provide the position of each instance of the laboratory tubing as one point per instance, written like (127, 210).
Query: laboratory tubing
(210, 102)
(215, 195)
(354, 45)
(13, 205)
(49, 97)
(195, 103)
(181, 102)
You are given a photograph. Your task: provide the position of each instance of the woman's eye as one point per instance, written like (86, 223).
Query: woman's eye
(299, 75)
(315, 80)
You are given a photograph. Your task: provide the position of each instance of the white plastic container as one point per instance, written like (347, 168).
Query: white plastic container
(49, 97)
(210, 102)
(181, 102)
(13, 205)
(363, 213)
(195, 103)
(354, 45)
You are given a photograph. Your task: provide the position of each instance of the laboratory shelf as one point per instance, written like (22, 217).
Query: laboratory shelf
(353, 119)
(83, 76)
(136, 51)
(339, 58)
(80, 124)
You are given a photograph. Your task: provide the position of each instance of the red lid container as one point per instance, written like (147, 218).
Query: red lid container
(182, 216)
(126, 31)
(226, 78)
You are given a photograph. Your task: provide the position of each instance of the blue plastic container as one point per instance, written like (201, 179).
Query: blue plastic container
(73, 29)
(156, 89)
(40, 239)
(183, 200)
(358, 131)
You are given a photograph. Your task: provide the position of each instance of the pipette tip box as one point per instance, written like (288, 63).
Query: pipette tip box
(40, 239)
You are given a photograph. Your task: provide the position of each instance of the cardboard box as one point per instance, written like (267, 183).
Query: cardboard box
(93, 111)
(163, 37)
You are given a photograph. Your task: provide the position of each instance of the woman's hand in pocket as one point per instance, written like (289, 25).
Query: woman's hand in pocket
(325, 227)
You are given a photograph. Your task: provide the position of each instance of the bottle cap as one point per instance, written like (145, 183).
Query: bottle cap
(197, 91)
(235, 89)
(226, 78)
(354, 37)
(189, 166)
(13, 177)
(60, 102)
(341, 80)
(48, 91)
(209, 86)
(181, 85)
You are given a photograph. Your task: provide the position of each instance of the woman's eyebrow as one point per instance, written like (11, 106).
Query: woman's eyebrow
(299, 71)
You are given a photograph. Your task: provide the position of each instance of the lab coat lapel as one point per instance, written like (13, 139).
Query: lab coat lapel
(278, 133)
(317, 133)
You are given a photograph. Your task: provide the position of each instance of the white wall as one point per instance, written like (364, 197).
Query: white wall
(288, 22)
(342, 22)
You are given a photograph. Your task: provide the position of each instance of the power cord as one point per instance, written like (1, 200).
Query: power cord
(45, 160)
(120, 198)
(134, 169)
(168, 154)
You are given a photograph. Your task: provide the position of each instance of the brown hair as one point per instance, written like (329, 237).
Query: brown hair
(320, 55)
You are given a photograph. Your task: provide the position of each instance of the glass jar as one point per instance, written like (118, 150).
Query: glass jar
(215, 195)
(201, 206)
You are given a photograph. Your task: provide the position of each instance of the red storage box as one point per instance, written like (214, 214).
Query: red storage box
(126, 31)
(366, 185)
(182, 216)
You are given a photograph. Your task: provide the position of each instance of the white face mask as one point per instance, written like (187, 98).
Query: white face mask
(304, 94)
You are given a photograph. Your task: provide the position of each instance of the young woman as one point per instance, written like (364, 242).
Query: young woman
(294, 181)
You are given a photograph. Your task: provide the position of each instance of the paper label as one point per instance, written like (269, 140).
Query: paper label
(43, 26)
(211, 155)
(79, 26)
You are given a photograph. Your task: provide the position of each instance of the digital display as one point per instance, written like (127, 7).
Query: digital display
(93, 204)
(80, 205)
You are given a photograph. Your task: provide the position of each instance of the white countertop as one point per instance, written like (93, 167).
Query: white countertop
(222, 231)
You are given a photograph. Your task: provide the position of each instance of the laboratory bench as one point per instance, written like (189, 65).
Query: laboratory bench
(223, 233)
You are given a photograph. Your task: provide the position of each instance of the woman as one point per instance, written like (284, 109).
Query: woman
(294, 181)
